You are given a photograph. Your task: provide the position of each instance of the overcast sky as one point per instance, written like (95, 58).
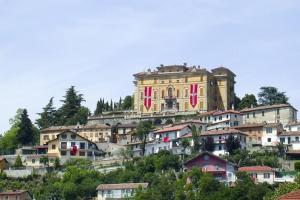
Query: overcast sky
(47, 46)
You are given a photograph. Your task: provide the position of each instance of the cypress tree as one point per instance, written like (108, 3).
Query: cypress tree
(25, 134)
(48, 116)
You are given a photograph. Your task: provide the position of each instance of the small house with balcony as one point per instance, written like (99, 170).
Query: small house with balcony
(260, 174)
(71, 145)
(223, 170)
(118, 191)
(270, 134)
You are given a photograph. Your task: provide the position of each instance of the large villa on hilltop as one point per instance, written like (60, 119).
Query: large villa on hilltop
(179, 88)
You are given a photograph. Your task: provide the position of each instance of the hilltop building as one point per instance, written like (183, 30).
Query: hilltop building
(178, 88)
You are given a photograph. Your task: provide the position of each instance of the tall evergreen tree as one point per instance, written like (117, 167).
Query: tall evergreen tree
(71, 111)
(25, 134)
(271, 96)
(247, 101)
(232, 143)
(48, 116)
(99, 107)
(127, 103)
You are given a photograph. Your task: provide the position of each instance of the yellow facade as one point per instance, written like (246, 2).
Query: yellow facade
(171, 89)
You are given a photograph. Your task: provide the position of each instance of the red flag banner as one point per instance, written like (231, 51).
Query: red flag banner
(147, 97)
(193, 94)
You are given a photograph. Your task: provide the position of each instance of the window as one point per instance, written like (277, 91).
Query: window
(73, 136)
(201, 91)
(72, 144)
(91, 134)
(53, 146)
(220, 147)
(269, 130)
(142, 95)
(63, 153)
(64, 136)
(206, 157)
(247, 115)
(253, 114)
(170, 92)
(46, 137)
(186, 79)
(297, 139)
(254, 175)
(266, 175)
(269, 139)
(220, 118)
(162, 94)
(282, 140)
(33, 161)
(82, 145)
(155, 94)
(177, 93)
(235, 123)
(81, 153)
(155, 107)
(278, 112)
(186, 104)
(63, 145)
(263, 113)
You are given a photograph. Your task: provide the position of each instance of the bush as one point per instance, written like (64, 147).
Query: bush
(297, 166)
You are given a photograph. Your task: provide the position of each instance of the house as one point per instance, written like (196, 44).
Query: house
(3, 164)
(94, 132)
(121, 133)
(270, 134)
(72, 145)
(222, 170)
(295, 126)
(118, 191)
(219, 139)
(218, 120)
(295, 195)
(253, 132)
(15, 194)
(260, 174)
(290, 139)
(279, 113)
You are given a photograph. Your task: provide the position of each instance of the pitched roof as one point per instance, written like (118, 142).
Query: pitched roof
(121, 186)
(248, 125)
(295, 195)
(290, 133)
(220, 112)
(10, 192)
(255, 168)
(222, 132)
(187, 135)
(266, 107)
(172, 128)
(207, 153)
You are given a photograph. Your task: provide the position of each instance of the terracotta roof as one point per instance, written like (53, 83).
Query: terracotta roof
(173, 128)
(191, 122)
(75, 127)
(13, 192)
(187, 135)
(255, 168)
(254, 125)
(273, 125)
(220, 112)
(221, 132)
(266, 107)
(290, 133)
(122, 186)
(295, 195)
(207, 153)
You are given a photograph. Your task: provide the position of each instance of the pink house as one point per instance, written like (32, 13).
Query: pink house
(222, 170)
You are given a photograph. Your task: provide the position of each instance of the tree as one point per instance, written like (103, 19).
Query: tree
(142, 131)
(196, 139)
(25, 134)
(208, 144)
(56, 163)
(185, 143)
(232, 143)
(127, 103)
(72, 112)
(247, 101)
(271, 96)
(44, 160)
(48, 116)
(18, 162)
(237, 101)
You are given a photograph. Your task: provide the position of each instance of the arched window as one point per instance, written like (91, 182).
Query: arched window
(170, 92)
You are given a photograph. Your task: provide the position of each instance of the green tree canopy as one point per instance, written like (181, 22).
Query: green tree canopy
(208, 144)
(142, 131)
(232, 143)
(127, 103)
(48, 116)
(26, 134)
(271, 95)
(72, 112)
(247, 101)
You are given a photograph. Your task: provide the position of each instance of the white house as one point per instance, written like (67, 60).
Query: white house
(118, 191)
(270, 134)
(260, 174)
(219, 137)
(218, 120)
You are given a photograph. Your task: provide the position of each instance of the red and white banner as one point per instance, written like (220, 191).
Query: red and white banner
(147, 97)
(193, 94)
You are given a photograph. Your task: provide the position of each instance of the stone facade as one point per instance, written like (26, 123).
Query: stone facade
(171, 89)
